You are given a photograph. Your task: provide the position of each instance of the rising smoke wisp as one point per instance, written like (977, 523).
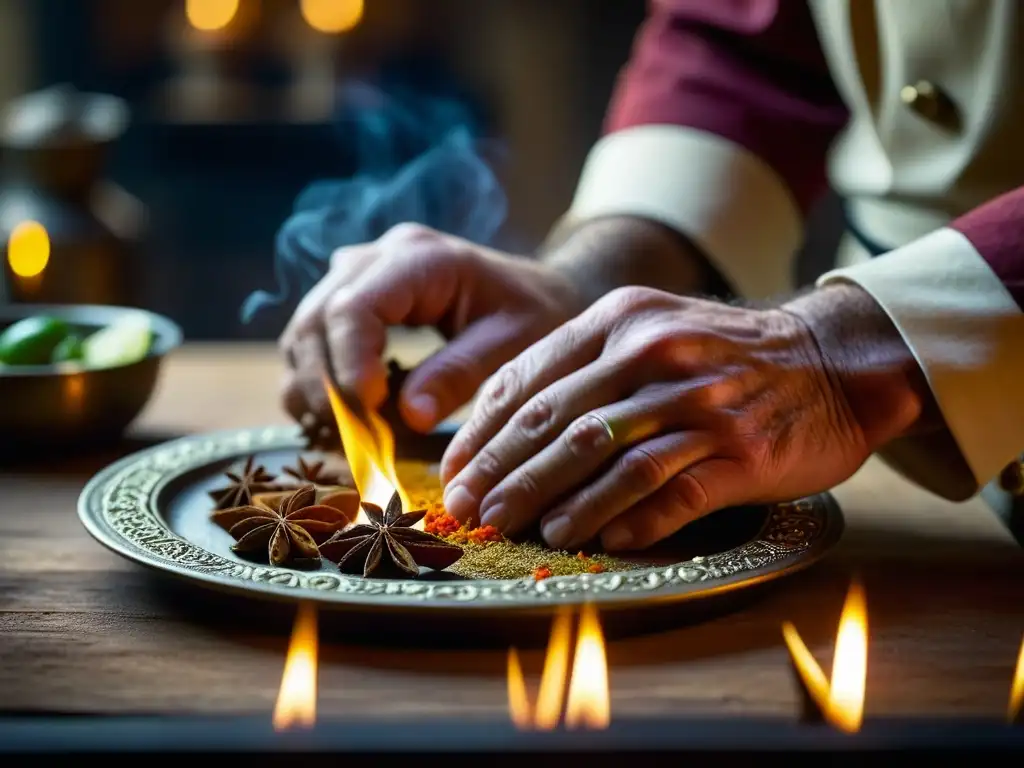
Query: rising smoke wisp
(418, 159)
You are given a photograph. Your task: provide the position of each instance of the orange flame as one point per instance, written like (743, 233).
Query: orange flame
(587, 705)
(370, 449)
(296, 699)
(1017, 687)
(842, 700)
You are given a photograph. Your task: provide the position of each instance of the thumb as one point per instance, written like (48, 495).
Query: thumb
(449, 378)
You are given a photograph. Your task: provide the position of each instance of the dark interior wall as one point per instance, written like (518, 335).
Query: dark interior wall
(541, 71)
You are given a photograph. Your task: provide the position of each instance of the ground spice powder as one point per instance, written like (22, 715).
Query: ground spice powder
(486, 554)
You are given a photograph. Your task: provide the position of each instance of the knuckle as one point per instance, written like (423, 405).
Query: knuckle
(502, 388)
(756, 448)
(487, 465)
(340, 256)
(536, 416)
(629, 299)
(710, 396)
(340, 303)
(586, 436)
(524, 484)
(409, 232)
(641, 470)
(687, 495)
(651, 342)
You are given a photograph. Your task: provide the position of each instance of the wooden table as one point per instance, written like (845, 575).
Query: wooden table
(83, 630)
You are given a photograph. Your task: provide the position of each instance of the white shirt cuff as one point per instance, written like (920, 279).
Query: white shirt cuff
(967, 334)
(729, 202)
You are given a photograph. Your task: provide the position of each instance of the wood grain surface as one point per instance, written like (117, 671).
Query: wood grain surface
(83, 630)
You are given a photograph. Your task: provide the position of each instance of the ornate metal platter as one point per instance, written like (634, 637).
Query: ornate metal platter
(139, 508)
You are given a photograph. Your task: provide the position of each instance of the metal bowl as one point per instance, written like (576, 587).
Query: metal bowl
(59, 408)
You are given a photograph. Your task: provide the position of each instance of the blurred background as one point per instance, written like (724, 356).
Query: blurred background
(471, 115)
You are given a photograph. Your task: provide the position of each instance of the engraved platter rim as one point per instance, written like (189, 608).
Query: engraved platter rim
(120, 507)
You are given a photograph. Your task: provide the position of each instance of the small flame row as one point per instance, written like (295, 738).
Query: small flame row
(841, 699)
(587, 704)
(369, 446)
(587, 701)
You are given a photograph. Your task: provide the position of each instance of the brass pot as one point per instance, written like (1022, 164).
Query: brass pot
(53, 145)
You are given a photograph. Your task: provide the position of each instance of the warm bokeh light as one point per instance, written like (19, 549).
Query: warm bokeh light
(28, 249)
(588, 703)
(73, 392)
(842, 700)
(1017, 688)
(210, 15)
(296, 700)
(370, 449)
(332, 16)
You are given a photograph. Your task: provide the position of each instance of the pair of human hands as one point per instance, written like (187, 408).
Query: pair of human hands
(624, 420)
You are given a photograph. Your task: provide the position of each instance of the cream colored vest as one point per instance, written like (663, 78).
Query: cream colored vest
(936, 95)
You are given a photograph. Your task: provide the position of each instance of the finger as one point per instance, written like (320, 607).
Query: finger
(635, 475)
(704, 487)
(565, 350)
(311, 367)
(292, 398)
(417, 289)
(308, 315)
(356, 339)
(576, 455)
(449, 378)
(529, 431)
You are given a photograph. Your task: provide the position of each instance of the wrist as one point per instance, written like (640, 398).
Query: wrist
(867, 357)
(603, 254)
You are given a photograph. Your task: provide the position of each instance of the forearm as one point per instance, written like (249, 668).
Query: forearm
(603, 254)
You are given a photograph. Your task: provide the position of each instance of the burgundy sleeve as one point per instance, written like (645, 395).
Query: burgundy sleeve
(751, 71)
(996, 230)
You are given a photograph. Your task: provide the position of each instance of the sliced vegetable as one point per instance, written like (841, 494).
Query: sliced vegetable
(70, 349)
(123, 342)
(32, 341)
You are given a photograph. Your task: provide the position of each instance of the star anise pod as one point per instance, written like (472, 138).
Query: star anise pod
(389, 543)
(253, 478)
(315, 473)
(289, 532)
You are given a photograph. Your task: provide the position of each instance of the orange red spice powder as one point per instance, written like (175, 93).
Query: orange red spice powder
(440, 523)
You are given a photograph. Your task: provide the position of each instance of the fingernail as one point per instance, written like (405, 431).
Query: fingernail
(425, 407)
(556, 531)
(495, 515)
(459, 503)
(617, 538)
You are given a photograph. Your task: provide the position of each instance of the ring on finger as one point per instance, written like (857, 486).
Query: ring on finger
(605, 424)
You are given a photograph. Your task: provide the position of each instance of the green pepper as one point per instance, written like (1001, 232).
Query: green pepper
(32, 341)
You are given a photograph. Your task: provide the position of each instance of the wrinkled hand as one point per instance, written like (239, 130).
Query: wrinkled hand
(491, 306)
(648, 411)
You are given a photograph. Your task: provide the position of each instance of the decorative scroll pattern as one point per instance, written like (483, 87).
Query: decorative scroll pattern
(122, 503)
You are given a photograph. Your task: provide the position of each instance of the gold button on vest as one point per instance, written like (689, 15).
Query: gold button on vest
(929, 101)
